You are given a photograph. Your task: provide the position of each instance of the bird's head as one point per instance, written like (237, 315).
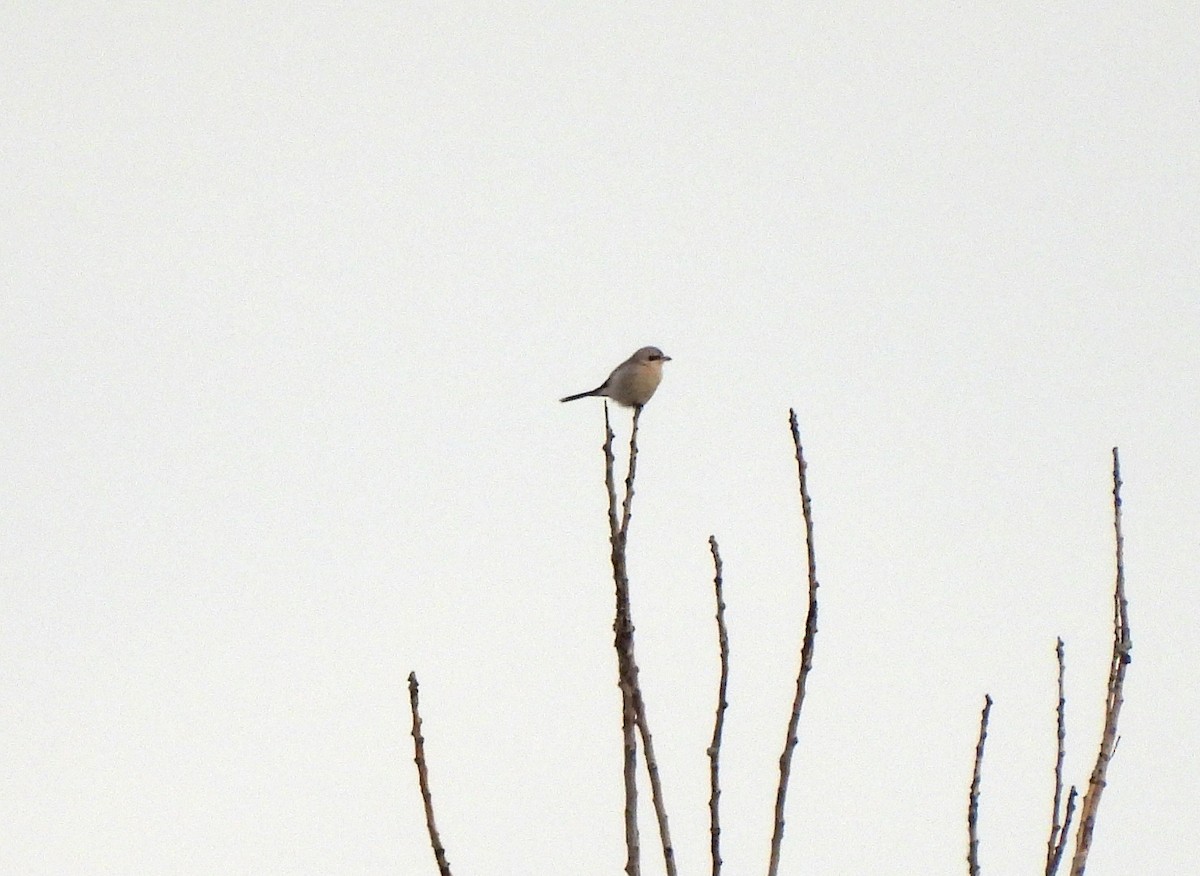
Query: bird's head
(650, 355)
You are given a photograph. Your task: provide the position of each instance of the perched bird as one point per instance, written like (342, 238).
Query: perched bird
(633, 381)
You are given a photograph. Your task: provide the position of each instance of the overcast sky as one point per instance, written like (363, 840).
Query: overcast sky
(287, 301)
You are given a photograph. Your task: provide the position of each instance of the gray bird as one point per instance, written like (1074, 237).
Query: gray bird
(633, 381)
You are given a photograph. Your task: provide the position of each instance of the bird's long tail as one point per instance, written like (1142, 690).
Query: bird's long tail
(595, 391)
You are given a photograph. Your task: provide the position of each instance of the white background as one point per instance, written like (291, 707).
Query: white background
(286, 302)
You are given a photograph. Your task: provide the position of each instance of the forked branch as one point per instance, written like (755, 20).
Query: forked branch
(623, 633)
(1057, 842)
(633, 708)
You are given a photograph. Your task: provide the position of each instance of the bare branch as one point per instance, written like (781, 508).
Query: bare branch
(656, 794)
(1054, 845)
(623, 630)
(1121, 656)
(634, 706)
(1066, 828)
(806, 654)
(633, 846)
(973, 798)
(627, 505)
(714, 750)
(639, 704)
(439, 853)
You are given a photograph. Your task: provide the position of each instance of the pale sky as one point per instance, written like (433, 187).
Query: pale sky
(288, 299)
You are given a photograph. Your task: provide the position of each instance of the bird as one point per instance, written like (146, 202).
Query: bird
(633, 381)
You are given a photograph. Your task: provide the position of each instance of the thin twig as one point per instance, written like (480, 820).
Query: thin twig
(1066, 827)
(973, 799)
(806, 654)
(639, 704)
(714, 750)
(1122, 646)
(627, 505)
(439, 853)
(1054, 844)
(656, 793)
(623, 636)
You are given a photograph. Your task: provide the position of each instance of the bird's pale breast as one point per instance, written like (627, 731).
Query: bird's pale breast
(638, 384)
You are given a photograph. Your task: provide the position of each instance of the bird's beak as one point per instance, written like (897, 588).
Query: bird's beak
(666, 358)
